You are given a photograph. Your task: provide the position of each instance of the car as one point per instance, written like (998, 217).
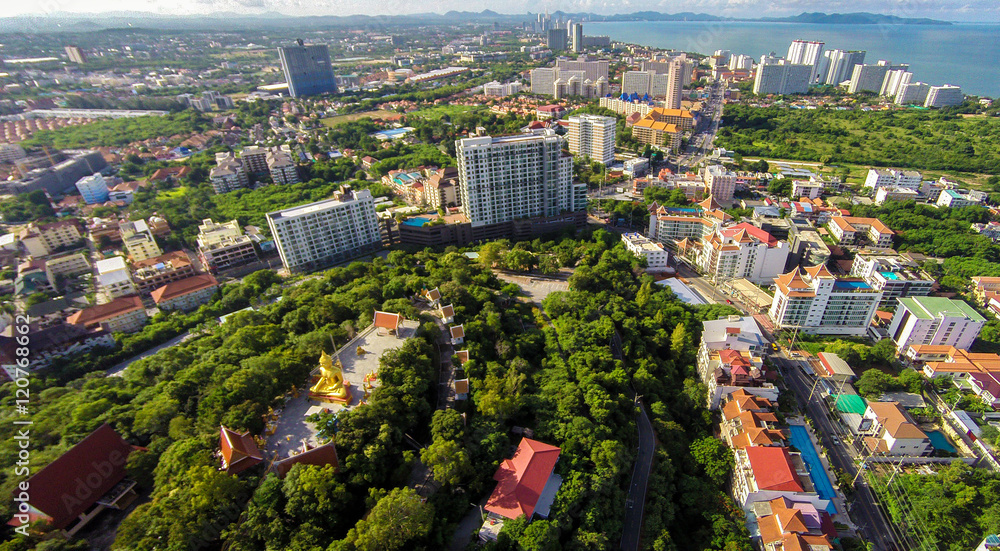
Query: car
(836, 441)
(728, 301)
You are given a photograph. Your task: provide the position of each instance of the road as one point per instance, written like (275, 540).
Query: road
(866, 513)
(636, 501)
(119, 370)
(702, 142)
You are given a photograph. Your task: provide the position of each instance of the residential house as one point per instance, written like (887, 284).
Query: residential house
(893, 432)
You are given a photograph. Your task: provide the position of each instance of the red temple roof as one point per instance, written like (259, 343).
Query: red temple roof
(521, 479)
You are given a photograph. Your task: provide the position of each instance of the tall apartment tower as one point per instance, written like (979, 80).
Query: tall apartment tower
(75, 54)
(307, 69)
(593, 136)
(782, 78)
(944, 96)
(840, 65)
(506, 178)
(675, 84)
(869, 78)
(556, 39)
(805, 52)
(326, 232)
(577, 37)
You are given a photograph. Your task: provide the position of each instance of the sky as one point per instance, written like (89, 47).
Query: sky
(953, 10)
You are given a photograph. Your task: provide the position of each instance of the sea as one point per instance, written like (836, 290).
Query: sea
(963, 54)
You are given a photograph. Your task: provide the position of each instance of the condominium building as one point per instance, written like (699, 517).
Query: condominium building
(592, 68)
(185, 294)
(122, 315)
(114, 280)
(743, 251)
(441, 188)
(720, 183)
(156, 272)
(512, 177)
(138, 240)
(657, 258)
(223, 246)
(944, 96)
(813, 301)
(806, 52)
(853, 230)
(667, 228)
(307, 69)
(281, 167)
(75, 54)
(869, 78)
(892, 177)
(556, 39)
(593, 136)
(64, 265)
(498, 90)
(43, 239)
(897, 276)
(840, 65)
(782, 78)
(654, 85)
(663, 127)
(624, 105)
(913, 93)
(576, 37)
(807, 188)
(885, 194)
(228, 174)
(894, 80)
(93, 188)
(254, 158)
(953, 198)
(326, 232)
(935, 321)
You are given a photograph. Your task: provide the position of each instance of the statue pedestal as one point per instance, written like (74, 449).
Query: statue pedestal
(343, 397)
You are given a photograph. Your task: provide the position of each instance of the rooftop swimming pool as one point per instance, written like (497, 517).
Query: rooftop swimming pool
(800, 439)
(416, 221)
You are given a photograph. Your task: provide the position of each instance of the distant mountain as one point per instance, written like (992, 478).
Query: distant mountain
(83, 22)
(859, 18)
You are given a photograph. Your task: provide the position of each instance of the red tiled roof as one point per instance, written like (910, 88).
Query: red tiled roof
(772, 469)
(239, 452)
(103, 312)
(752, 230)
(89, 469)
(319, 456)
(387, 320)
(183, 287)
(521, 479)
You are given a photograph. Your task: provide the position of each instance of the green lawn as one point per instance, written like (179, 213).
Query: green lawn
(341, 119)
(436, 112)
(174, 193)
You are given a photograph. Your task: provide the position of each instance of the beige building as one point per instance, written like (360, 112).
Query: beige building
(441, 188)
(282, 167)
(186, 294)
(222, 246)
(114, 279)
(65, 265)
(851, 230)
(124, 315)
(42, 239)
(139, 241)
(156, 272)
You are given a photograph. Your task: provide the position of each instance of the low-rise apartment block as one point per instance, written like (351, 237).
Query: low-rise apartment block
(730, 358)
(185, 294)
(223, 246)
(936, 321)
(880, 177)
(44, 239)
(853, 230)
(65, 265)
(139, 240)
(228, 174)
(282, 167)
(814, 301)
(720, 183)
(657, 258)
(121, 315)
(979, 372)
(895, 194)
(156, 272)
(953, 198)
(114, 280)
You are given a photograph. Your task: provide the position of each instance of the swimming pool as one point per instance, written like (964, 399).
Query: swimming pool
(940, 441)
(800, 439)
(416, 221)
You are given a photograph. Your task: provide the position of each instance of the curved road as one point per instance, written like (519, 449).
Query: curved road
(636, 501)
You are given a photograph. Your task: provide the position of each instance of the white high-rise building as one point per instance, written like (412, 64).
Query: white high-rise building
(869, 78)
(913, 93)
(782, 78)
(934, 321)
(894, 178)
(813, 301)
(326, 232)
(511, 177)
(593, 136)
(805, 52)
(894, 79)
(593, 68)
(543, 80)
(741, 62)
(944, 96)
(840, 65)
(576, 37)
(93, 188)
(636, 82)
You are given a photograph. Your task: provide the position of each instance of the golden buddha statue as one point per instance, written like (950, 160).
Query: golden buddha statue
(331, 380)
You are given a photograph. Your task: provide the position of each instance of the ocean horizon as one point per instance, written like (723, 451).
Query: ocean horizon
(963, 54)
